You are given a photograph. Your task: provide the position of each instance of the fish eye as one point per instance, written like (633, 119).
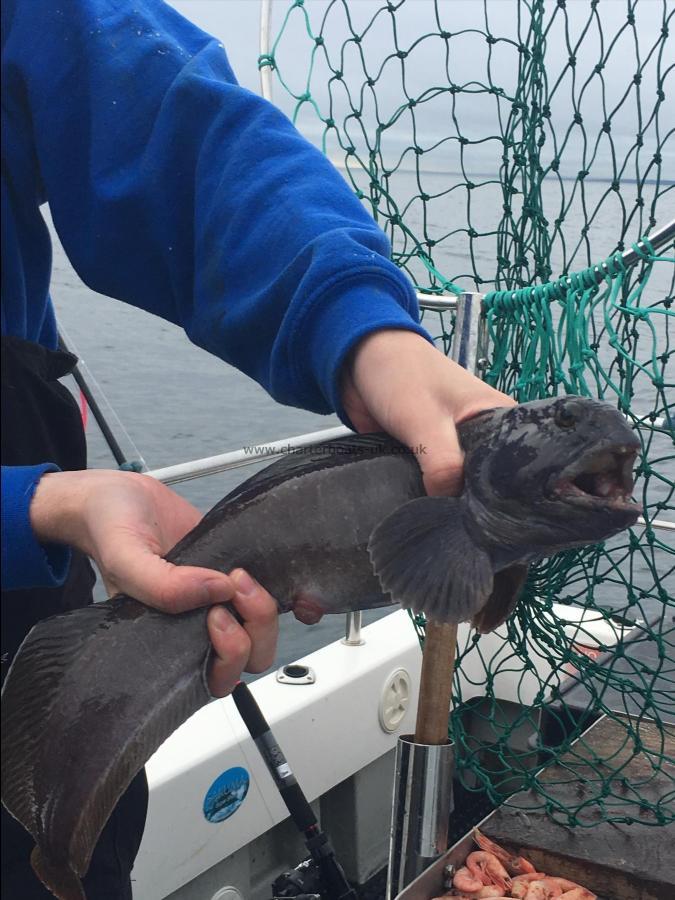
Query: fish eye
(565, 418)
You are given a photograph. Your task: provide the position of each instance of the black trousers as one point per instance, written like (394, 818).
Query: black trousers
(41, 423)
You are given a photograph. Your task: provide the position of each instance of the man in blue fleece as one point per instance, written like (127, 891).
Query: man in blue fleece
(175, 190)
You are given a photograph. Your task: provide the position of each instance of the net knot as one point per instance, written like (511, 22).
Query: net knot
(266, 59)
(644, 249)
(551, 292)
(500, 302)
(615, 264)
(581, 281)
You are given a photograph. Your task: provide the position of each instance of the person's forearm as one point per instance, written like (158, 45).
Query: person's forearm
(56, 510)
(178, 198)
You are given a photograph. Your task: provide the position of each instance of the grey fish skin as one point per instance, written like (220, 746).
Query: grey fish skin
(302, 525)
(92, 693)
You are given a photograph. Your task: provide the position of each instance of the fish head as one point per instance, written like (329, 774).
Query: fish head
(564, 465)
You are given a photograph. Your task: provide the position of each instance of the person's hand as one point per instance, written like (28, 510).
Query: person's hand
(396, 381)
(125, 523)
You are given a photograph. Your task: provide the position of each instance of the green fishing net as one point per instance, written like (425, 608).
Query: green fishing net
(519, 149)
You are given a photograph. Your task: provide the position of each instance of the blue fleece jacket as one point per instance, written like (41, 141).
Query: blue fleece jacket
(176, 190)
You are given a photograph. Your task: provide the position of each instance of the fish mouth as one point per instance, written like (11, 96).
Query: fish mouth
(601, 478)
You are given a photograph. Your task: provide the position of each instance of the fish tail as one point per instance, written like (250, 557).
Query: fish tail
(59, 878)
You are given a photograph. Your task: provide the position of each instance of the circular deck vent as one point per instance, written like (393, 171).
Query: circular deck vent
(394, 700)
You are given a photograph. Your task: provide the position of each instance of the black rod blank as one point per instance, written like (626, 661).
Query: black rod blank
(301, 812)
(96, 411)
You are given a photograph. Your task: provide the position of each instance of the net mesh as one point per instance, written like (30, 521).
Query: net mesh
(518, 148)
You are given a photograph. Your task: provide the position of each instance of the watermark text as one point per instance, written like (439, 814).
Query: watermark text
(337, 449)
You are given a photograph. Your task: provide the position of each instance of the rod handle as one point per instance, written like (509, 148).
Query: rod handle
(438, 666)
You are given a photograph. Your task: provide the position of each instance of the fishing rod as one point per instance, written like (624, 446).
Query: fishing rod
(113, 444)
(106, 431)
(316, 840)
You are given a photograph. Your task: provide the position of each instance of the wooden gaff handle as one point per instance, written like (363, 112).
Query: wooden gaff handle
(438, 666)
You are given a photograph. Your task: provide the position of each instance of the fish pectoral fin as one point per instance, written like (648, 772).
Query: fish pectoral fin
(507, 587)
(425, 558)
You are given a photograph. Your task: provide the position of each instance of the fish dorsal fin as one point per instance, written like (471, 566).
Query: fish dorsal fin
(294, 464)
(424, 557)
(507, 586)
(120, 691)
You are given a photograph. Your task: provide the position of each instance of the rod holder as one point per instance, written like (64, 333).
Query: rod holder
(352, 636)
(421, 809)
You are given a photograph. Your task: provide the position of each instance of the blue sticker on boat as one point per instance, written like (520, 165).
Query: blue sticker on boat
(226, 794)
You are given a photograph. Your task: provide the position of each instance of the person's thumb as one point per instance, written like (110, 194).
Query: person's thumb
(438, 455)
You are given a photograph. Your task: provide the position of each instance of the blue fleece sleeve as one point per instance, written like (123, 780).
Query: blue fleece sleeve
(25, 562)
(178, 191)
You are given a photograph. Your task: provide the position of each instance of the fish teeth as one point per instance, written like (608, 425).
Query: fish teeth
(604, 485)
(627, 473)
